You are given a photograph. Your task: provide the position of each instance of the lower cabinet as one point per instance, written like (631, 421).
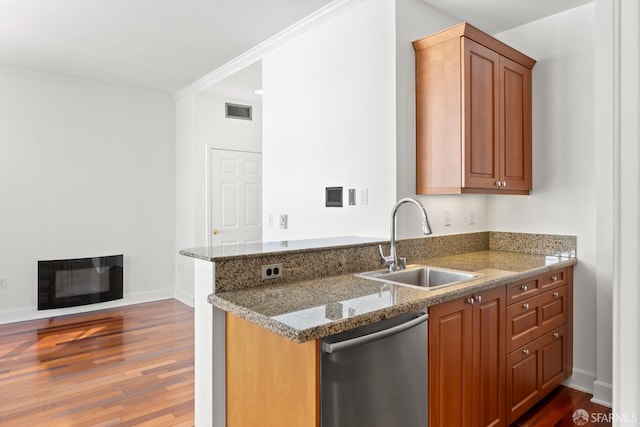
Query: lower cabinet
(271, 381)
(494, 354)
(534, 370)
(467, 360)
(539, 339)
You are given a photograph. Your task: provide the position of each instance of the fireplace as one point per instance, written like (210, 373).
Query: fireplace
(81, 281)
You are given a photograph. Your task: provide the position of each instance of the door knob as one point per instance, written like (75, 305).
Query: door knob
(216, 231)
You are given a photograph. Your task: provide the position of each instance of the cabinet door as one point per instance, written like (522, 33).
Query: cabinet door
(523, 380)
(534, 370)
(515, 125)
(489, 358)
(481, 115)
(554, 359)
(450, 363)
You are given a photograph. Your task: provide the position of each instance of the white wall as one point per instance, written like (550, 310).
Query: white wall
(329, 120)
(85, 170)
(415, 20)
(200, 126)
(213, 130)
(563, 199)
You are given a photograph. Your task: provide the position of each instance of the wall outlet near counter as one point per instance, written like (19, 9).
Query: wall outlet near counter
(272, 271)
(447, 218)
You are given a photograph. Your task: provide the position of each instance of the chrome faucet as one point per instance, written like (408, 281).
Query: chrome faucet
(392, 260)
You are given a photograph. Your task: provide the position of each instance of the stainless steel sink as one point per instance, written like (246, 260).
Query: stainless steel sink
(421, 275)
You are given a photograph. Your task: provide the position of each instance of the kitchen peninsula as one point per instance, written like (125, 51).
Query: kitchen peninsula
(318, 296)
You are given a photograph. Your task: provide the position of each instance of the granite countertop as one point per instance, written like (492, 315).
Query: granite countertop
(313, 309)
(249, 250)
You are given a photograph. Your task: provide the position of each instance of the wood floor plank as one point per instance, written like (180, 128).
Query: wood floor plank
(558, 407)
(124, 366)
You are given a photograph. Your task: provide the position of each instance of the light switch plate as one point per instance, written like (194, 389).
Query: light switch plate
(363, 196)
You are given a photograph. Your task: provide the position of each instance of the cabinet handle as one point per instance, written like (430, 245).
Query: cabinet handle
(525, 288)
(554, 278)
(470, 301)
(504, 183)
(526, 306)
(556, 335)
(526, 352)
(478, 298)
(556, 294)
(498, 184)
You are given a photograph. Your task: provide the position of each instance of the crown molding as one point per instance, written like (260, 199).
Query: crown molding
(7, 70)
(254, 54)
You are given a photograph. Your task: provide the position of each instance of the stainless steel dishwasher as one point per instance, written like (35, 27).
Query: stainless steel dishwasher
(376, 375)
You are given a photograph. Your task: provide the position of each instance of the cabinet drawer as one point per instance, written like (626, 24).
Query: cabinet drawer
(528, 288)
(533, 317)
(534, 370)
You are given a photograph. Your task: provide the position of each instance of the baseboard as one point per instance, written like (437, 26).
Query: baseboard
(586, 382)
(32, 313)
(581, 380)
(186, 298)
(602, 393)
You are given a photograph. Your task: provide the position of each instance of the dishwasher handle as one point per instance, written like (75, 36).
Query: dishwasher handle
(343, 345)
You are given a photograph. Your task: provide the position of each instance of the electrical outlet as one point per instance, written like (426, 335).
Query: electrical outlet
(3, 283)
(447, 217)
(272, 271)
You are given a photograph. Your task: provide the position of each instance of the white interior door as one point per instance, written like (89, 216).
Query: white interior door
(236, 197)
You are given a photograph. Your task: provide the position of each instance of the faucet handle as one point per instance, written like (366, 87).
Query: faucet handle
(386, 260)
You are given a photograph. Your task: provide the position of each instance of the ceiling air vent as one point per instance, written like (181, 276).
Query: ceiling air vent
(235, 111)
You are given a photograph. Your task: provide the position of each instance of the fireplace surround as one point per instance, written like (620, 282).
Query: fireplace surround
(80, 281)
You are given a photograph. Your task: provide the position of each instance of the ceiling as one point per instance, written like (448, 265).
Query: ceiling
(494, 16)
(164, 45)
(160, 45)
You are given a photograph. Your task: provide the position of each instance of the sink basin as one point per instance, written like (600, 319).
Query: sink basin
(422, 276)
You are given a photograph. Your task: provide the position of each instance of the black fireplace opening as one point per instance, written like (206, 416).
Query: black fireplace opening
(80, 281)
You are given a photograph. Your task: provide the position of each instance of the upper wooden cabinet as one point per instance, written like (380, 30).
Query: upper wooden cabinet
(473, 114)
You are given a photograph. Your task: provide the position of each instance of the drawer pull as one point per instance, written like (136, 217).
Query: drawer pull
(470, 301)
(525, 288)
(478, 298)
(526, 352)
(556, 294)
(556, 335)
(554, 278)
(525, 306)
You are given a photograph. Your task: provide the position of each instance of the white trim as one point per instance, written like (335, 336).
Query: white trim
(602, 393)
(626, 236)
(185, 297)
(204, 273)
(254, 54)
(581, 380)
(77, 81)
(26, 314)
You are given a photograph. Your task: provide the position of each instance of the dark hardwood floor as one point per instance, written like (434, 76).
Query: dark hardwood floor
(558, 407)
(126, 366)
(134, 366)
